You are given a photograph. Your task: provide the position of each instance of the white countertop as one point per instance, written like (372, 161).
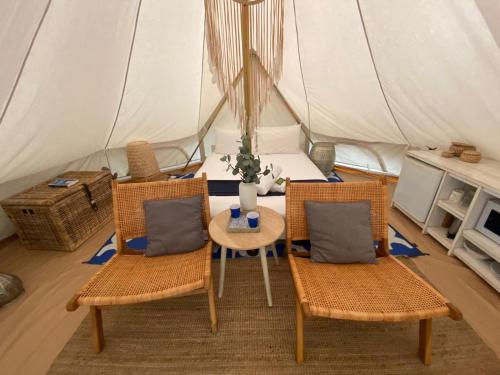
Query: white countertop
(485, 173)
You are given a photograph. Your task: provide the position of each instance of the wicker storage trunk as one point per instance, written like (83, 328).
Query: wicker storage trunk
(62, 219)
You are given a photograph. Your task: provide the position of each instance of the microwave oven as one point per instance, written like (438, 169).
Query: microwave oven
(489, 221)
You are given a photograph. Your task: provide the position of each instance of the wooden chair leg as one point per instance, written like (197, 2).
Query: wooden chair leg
(425, 341)
(97, 331)
(299, 348)
(211, 303)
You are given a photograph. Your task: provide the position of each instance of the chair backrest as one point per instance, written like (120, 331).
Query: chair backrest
(373, 191)
(128, 203)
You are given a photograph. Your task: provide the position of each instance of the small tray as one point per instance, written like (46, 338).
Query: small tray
(240, 224)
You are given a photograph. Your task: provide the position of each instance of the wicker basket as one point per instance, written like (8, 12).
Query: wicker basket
(447, 154)
(61, 218)
(142, 163)
(157, 177)
(458, 148)
(323, 155)
(470, 156)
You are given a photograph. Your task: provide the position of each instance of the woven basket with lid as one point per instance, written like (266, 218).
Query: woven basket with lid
(50, 218)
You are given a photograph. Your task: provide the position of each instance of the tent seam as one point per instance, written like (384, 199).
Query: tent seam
(201, 76)
(124, 81)
(377, 73)
(21, 70)
(301, 71)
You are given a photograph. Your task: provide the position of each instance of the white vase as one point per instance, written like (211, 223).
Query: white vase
(248, 196)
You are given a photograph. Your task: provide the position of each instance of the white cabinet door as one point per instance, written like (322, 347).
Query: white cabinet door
(417, 187)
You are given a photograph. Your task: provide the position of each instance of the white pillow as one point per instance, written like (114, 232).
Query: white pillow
(278, 140)
(227, 141)
(266, 182)
(279, 185)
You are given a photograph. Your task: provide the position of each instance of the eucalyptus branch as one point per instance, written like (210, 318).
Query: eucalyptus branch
(229, 166)
(247, 165)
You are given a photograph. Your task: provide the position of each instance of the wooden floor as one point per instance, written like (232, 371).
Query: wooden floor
(35, 327)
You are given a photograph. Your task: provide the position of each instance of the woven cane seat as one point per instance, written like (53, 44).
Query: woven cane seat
(129, 279)
(386, 291)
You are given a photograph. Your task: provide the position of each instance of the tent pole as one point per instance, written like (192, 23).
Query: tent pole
(206, 126)
(245, 42)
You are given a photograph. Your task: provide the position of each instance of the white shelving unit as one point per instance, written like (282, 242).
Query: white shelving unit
(443, 207)
(481, 267)
(483, 242)
(454, 209)
(409, 215)
(439, 234)
(483, 180)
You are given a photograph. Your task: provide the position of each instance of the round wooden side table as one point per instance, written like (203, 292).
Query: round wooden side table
(271, 227)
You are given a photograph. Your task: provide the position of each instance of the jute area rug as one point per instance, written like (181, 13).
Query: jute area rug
(173, 336)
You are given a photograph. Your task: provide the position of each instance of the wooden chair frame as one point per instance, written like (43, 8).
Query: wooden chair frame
(129, 219)
(296, 227)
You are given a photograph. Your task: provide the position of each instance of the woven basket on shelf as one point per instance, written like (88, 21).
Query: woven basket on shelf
(470, 156)
(458, 147)
(447, 154)
(142, 164)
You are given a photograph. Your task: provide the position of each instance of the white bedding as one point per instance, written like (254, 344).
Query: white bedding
(296, 166)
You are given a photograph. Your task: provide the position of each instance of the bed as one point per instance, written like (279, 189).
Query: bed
(296, 166)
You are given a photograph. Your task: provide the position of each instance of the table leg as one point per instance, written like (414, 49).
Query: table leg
(223, 254)
(275, 253)
(263, 260)
(233, 255)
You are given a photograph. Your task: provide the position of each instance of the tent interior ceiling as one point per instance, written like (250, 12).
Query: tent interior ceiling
(81, 79)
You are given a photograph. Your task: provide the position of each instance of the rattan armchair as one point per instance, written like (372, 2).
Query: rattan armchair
(129, 277)
(387, 291)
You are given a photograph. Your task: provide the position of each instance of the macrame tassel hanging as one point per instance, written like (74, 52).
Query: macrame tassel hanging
(225, 40)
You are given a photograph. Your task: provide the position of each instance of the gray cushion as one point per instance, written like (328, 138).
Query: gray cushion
(174, 225)
(340, 232)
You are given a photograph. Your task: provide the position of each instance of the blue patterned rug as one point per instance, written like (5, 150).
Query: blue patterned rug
(398, 244)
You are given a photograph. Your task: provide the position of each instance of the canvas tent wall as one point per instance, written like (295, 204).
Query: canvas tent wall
(79, 79)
